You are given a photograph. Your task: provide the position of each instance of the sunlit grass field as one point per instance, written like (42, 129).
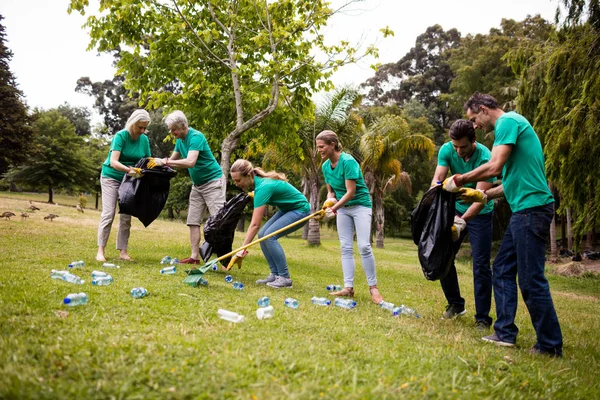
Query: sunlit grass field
(172, 345)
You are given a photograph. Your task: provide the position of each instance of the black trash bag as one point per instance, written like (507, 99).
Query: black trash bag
(145, 197)
(431, 228)
(220, 228)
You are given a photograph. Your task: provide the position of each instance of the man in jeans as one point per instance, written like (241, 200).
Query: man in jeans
(461, 155)
(518, 155)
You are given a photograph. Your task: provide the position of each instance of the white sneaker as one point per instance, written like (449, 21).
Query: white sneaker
(267, 280)
(281, 282)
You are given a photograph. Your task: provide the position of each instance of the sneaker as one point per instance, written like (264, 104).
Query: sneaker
(268, 279)
(482, 326)
(453, 311)
(281, 282)
(497, 341)
(190, 260)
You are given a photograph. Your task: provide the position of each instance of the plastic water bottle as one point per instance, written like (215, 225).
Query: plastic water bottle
(77, 264)
(334, 287)
(291, 303)
(264, 301)
(98, 274)
(102, 280)
(386, 305)
(345, 303)
(203, 282)
(110, 265)
(238, 285)
(138, 292)
(75, 299)
(69, 277)
(265, 312)
(405, 310)
(55, 274)
(230, 316)
(229, 279)
(168, 270)
(320, 301)
(174, 261)
(165, 260)
(214, 267)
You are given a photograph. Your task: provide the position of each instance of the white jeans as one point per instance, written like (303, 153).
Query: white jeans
(349, 220)
(110, 196)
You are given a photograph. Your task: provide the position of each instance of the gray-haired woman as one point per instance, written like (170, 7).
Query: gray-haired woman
(127, 148)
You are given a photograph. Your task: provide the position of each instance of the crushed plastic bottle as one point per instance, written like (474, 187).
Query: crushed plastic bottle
(264, 301)
(320, 301)
(174, 261)
(291, 303)
(110, 265)
(138, 292)
(102, 280)
(386, 305)
(75, 299)
(334, 287)
(230, 316)
(165, 260)
(265, 312)
(77, 264)
(71, 278)
(97, 274)
(406, 311)
(168, 270)
(238, 285)
(203, 282)
(229, 279)
(344, 303)
(56, 274)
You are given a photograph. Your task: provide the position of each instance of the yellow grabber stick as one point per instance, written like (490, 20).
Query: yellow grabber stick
(195, 274)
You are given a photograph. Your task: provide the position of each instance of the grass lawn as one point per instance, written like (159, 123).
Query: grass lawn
(171, 344)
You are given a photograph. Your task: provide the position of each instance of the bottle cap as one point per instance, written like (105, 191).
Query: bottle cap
(67, 300)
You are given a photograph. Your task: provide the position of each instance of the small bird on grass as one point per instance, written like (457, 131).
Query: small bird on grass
(24, 215)
(32, 207)
(51, 217)
(7, 215)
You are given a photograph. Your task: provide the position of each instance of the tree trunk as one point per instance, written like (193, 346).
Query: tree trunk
(314, 226)
(588, 236)
(553, 247)
(569, 230)
(97, 199)
(563, 231)
(50, 195)
(379, 218)
(171, 215)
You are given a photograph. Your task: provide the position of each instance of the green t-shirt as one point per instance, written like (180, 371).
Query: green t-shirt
(347, 169)
(448, 157)
(524, 175)
(280, 194)
(131, 152)
(206, 169)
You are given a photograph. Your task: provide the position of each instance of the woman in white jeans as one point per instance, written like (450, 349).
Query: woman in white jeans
(126, 149)
(346, 188)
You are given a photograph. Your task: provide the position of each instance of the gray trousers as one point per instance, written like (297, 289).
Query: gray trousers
(110, 196)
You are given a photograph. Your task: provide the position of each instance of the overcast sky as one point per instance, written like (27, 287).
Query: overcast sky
(49, 45)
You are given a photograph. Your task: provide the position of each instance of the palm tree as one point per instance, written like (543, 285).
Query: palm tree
(382, 144)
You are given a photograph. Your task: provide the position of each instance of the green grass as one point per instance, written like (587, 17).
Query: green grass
(172, 344)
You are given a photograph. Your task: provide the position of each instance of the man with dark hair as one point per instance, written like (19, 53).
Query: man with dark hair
(517, 155)
(461, 155)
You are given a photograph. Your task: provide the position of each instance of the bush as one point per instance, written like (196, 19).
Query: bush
(82, 200)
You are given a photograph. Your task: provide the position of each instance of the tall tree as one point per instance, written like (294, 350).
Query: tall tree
(15, 131)
(232, 62)
(78, 116)
(58, 161)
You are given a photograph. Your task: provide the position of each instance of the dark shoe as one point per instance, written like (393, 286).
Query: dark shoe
(189, 260)
(453, 311)
(535, 351)
(496, 340)
(482, 326)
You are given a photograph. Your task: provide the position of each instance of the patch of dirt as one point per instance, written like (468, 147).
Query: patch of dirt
(576, 268)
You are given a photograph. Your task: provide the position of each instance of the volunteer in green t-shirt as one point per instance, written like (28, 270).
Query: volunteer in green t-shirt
(270, 188)
(192, 152)
(461, 155)
(517, 155)
(351, 200)
(128, 146)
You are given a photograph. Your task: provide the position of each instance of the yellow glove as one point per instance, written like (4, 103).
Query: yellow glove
(326, 215)
(155, 162)
(135, 173)
(459, 226)
(237, 259)
(329, 203)
(472, 195)
(251, 194)
(449, 185)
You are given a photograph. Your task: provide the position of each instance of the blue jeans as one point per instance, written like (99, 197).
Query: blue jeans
(271, 248)
(349, 220)
(523, 254)
(480, 237)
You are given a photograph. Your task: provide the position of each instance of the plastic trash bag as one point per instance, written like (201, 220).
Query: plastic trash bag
(431, 228)
(220, 228)
(145, 197)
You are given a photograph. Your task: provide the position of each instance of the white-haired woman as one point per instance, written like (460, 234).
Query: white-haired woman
(127, 148)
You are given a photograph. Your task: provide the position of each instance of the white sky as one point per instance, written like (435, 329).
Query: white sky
(49, 45)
